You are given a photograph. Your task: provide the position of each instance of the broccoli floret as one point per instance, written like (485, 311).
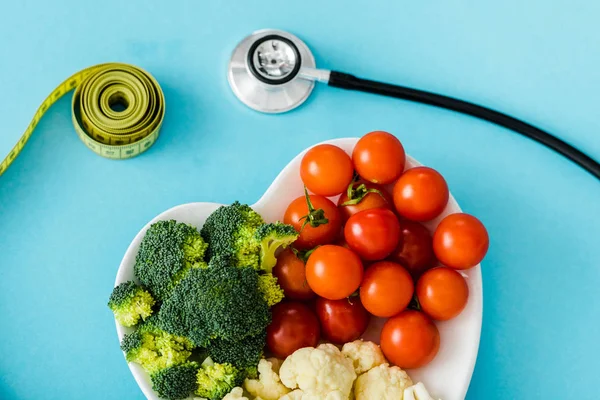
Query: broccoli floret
(270, 289)
(167, 252)
(216, 302)
(130, 303)
(230, 230)
(216, 380)
(154, 349)
(244, 354)
(271, 237)
(176, 382)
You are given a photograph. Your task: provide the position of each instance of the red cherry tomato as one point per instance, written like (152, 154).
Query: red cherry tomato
(326, 170)
(415, 248)
(373, 234)
(363, 196)
(324, 221)
(334, 272)
(290, 272)
(421, 194)
(410, 339)
(379, 157)
(442, 293)
(386, 289)
(460, 241)
(293, 326)
(342, 320)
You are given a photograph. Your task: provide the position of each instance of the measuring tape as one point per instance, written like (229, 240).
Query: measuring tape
(117, 111)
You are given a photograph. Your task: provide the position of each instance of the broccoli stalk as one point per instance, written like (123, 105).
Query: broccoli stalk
(130, 303)
(216, 380)
(271, 237)
(168, 251)
(176, 382)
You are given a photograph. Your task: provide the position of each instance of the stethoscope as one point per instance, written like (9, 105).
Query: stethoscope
(272, 71)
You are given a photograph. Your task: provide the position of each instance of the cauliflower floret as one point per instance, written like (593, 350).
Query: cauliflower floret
(301, 395)
(417, 392)
(322, 372)
(294, 395)
(236, 393)
(383, 383)
(268, 386)
(364, 355)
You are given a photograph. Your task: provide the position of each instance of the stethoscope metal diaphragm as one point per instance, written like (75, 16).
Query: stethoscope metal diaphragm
(264, 71)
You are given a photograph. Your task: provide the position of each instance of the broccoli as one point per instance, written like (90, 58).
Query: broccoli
(244, 354)
(216, 302)
(241, 232)
(216, 380)
(271, 237)
(130, 303)
(167, 252)
(153, 348)
(176, 382)
(270, 289)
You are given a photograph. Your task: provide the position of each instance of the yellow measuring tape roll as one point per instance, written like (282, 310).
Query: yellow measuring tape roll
(117, 111)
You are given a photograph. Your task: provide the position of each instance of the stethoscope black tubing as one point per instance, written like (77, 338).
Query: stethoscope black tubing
(347, 81)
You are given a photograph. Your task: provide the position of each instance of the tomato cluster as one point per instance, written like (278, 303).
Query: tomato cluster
(368, 253)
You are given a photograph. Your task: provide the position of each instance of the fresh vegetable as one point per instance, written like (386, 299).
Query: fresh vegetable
(176, 382)
(154, 349)
(296, 395)
(415, 248)
(386, 289)
(373, 234)
(168, 251)
(243, 354)
(326, 170)
(294, 326)
(320, 372)
(364, 355)
(316, 218)
(362, 196)
(442, 293)
(268, 386)
(460, 241)
(417, 392)
(383, 382)
(410, 339)
(420, 194)
(220, 301)
(270, 289)
(290, 272)
(379, 157)
(342, 320)
(237, 393)
(239, 231)
(217, 380)
(130, 303)
(334, 272)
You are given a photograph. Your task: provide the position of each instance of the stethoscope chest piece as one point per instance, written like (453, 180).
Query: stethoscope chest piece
(264, 71)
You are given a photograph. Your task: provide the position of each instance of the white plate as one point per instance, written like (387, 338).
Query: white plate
(446, 377)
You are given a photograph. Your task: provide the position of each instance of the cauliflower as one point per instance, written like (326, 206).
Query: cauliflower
(295, 395)
(236, 393)
(364, 355)
(268, 386)
(383, 383)
(417, 392)
(301, 395)
(321, 372)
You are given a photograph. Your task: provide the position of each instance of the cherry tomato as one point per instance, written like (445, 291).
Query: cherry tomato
(290, 272)
(373, 234)
(326, 170)
(386, 289)
(293, 326)
(460, 241)
(415, 248)
(421, 194)
(442, 293)
(410, 339)
(342, 320)
(334, 272)
(379, 157)
(322, 226)
(363, 196)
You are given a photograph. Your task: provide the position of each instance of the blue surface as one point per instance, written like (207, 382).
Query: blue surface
(67, 215)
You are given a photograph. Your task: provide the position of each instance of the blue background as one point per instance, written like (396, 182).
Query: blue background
(67, 215)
